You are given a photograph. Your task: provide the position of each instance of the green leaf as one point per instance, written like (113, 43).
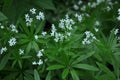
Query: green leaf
(106, 70)
(83, 57)
(74, 75)
(11, 76)
(4, 61)
(54, 67)
(20, 64)
(35, 46)
(65, 73)
(23, 41)
(29, 46)
(86, 67)
(48, 76)
(47, 4)
(36, 75)
(2, 16)
(39, 28)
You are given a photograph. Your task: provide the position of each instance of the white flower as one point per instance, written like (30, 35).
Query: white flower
(33, 11)
(1, 26)
(79, 17)
(21, 51)
(116, 31)
(40, 53)
(118, 11)
(44, 33)
(28, 20)
(76, 7)
(40, 16)
(97, 23)
(53, 30)
(12, 41)
(13, 27)
(80, 2)
(118, 18)
(4, 49)
(36, 37)
(40, 62)
(89, 38)
(96, 29)
(34, 63)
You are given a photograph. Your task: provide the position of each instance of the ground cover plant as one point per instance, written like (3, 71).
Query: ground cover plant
(59, 40)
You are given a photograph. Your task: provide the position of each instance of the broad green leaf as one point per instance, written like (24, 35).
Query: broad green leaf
(65, 73)
(74, 75)
(4, 61)
(2, 16)
(36, 75)
(54, 67)
(86, 67)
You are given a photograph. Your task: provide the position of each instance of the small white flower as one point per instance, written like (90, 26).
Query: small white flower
(12, 41)
(34, 63)
(1, 26)
(13, 27)
(80, 2)
(21, 51)
(28, 20)
(97, 23)
(33, 11)
(76, 7)
(40, 53)
(116, 31)
(40, 16)
(36, 37)
(4, 49)
(96, 29)
(118, 18)
(44, 33)
(40, 62)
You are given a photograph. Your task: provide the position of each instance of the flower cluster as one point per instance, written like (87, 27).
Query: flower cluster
(29, 20)
(13, 28)
(89, 38)
(39, 55)
(66, 26)
(118, 14)
(76, 6)
(3, 49)
(79, 17)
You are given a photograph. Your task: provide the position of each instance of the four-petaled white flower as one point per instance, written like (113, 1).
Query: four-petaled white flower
(21, 52)
(12, 41)
(44, 33)
(3, 49)
(40, 16)
(40, 53)
(33, 11)
(36, 37)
